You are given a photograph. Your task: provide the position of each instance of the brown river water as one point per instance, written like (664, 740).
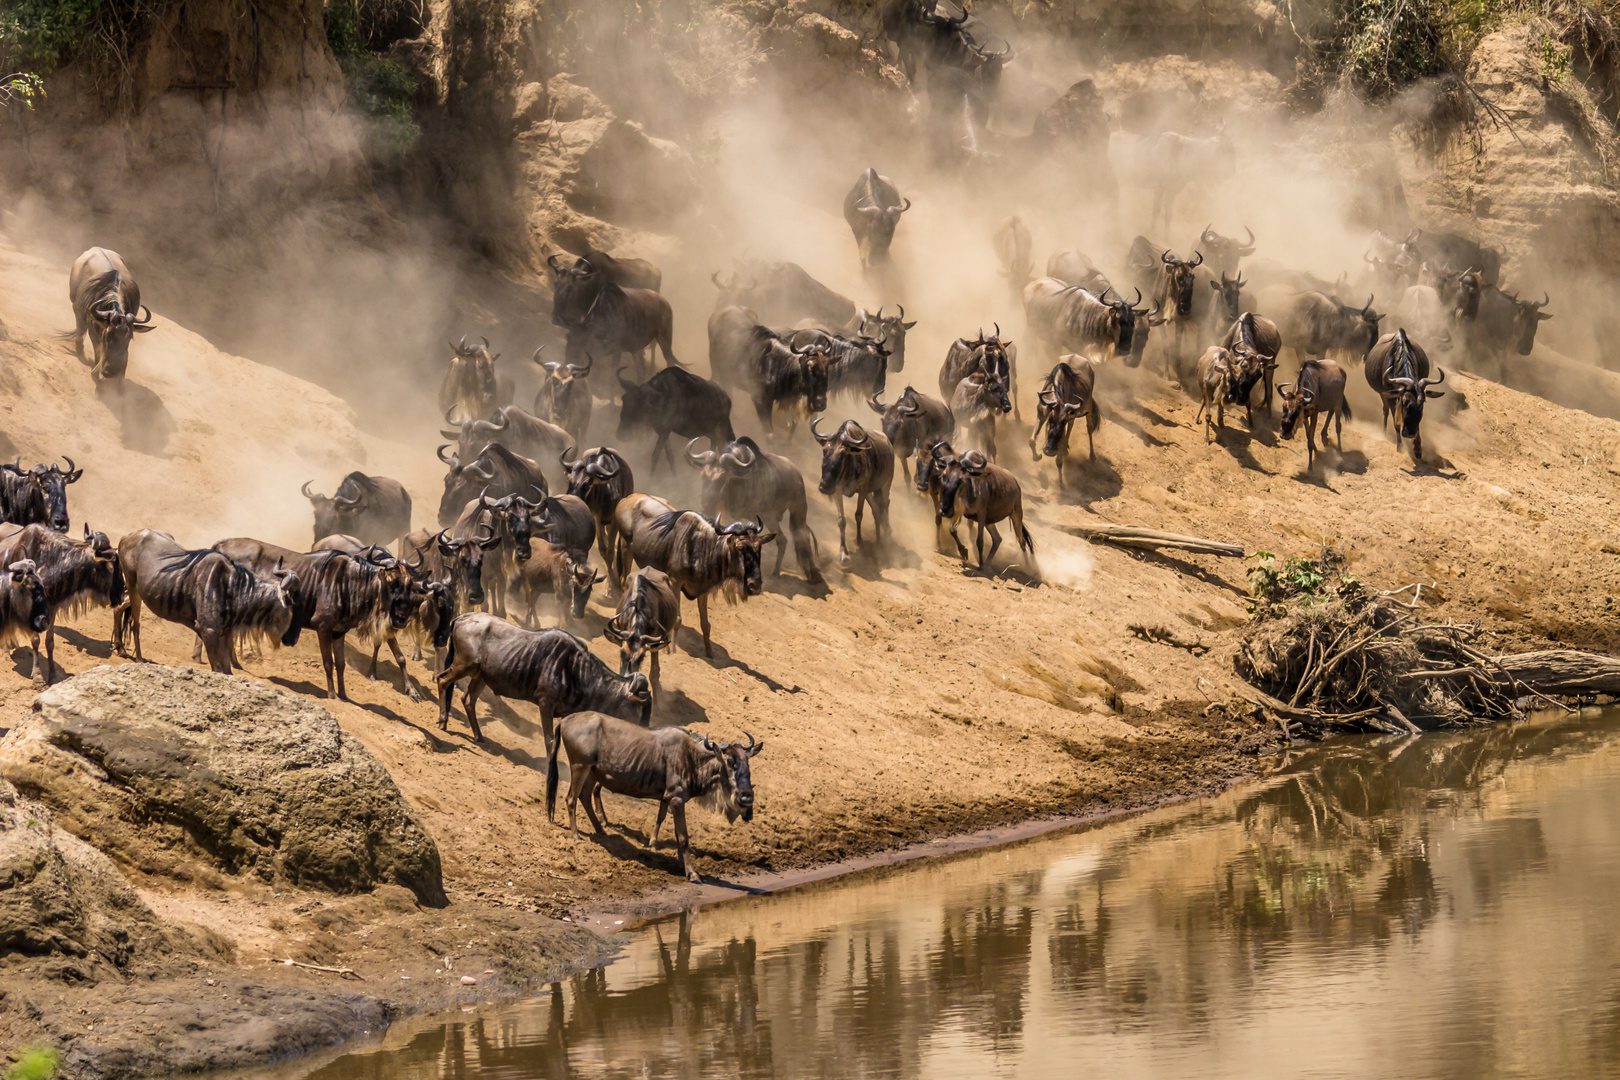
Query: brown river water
(1435, 906)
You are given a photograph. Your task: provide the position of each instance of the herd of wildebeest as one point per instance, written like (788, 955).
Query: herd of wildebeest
(506, 542)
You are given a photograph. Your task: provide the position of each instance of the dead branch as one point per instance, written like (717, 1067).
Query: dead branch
(347, 973)
(1152, 539)
(1161, 635)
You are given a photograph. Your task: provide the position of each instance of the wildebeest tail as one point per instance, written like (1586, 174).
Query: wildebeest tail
(551, 774)
(1344, 407)
(1028, 539)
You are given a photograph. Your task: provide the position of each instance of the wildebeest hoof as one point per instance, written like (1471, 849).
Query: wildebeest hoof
(694, 877)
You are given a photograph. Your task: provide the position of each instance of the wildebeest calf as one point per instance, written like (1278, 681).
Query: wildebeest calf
(648, 618)
(1319, 392)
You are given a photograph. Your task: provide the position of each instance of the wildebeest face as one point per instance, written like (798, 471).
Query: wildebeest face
(1250, 367)
(520, 522)
(1229, 292)
(636, 642)
(1529, 316)
(27, 595)
(1058, 424)
(995, 390)
(637, 693)
(106, 575)
(292, 596)
(638, 404)
(815, 379)
(441, 598)
(932, 461)
(401, 603)
(581, 580)
(744, 540)
(891, 330)
(52, 483)
(116, 329)
(734, 795)
(1294, 405)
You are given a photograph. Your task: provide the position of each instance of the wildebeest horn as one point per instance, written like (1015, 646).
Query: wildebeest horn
(463, 346)
(1367, 307)
(1437, 380)
(536, 357)
(1401, 380)
(148, 318)
(998, 330)
(599, 466)
(858, 444)
(486, 473)
(450, 415)
(590, 362)
(482, 527)
(1248, 245)
(1164, 257)
(1197, 259)
(485, 340)
(1207, 234)
(305, 491)
(562, 458)
(715, 277)
(699, 461)
(1138, 299)
(451, 460)
(743, 457)
(1282, 388)
(624, 383)
(902, 209)
(875, 403)
(820, 438)
(1546, 298)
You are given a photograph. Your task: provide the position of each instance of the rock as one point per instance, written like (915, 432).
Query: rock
(186, 774)
(468, 980)
(529, 104)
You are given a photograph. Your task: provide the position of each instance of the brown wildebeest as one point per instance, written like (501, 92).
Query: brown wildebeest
(496, 472)
(25, 613)
(205, 591)
(1255, 342)
(990, 355)
(564, 397)
(600, 477)
(1320, 392)
(782, 293)
(775, 374)
(37, 495)
(873, 208)
(1216, 369)
(1397, 369)
(648, 618)
(912, 420)
(674, 402)
(1069, 392)
(623, 321)
(432, 599)
(555, 571)
(985, 494)
(978, 400)
(376, 509)
(74, 573)
(551, 668)
(1316, 324)
(1225, 251)
(107, 305)
(671, 765)
(860, 464)
(1068, 319)
(519, 431)
(471, 382)
(576, 285)
(741, 481)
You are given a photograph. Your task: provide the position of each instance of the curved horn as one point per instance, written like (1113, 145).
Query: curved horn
(1207, 235)
(998, 330)
(536, 357)
(485, 340)
(698, 461)
(1164, 257)
(451, 460)
(1282, 388)
(875, 403)
(562, 459)
(450, 415)
(907, 205)
(715, 277)
(602, 461)
(820, 438)
(862, 443)
(305, 492)
(463, 346)
(1198, 259)
(1138, 299)
(1439, 378)
(142, 322)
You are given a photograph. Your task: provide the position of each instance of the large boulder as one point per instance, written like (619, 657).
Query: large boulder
(189, 774)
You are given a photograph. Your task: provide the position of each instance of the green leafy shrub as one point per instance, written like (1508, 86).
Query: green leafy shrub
(380, 87)
(36, 1063)
(1299, 577)
(39, 36)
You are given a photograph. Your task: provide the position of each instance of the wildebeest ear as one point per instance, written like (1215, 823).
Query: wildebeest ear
(766, 538)
(910, 324)
(1435, 393)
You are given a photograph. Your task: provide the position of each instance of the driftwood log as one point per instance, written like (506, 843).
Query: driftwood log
(1548, 671)
(1152, 539)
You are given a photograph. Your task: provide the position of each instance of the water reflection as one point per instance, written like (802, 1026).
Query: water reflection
(1434, 907)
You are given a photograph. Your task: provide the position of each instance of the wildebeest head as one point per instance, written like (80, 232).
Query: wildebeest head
(843, 453)
(1295, 403)
(895, 416)
(1413, 391)
(1369, 320)
(582, 578)
(1060, 418)
(338, 513)
(291, 592)
(813, 362)
(990, 389)
(743, 541)
(573, 290)
(734, 292)
(880, 223)
(733, 790)
(466, 558)
(519, 515)
(889, 330)
(1526, 318)
(115, 328)
(1180, 273)
(736, 458)
(959, 474)
(106, 576)
(932, 461)
(1122, 316)
(1230, 292)
(1248, 369)
(25, 600)
(1225, 251)
(47, 490)
(1462, 291)
(472, 374)
(635, 641)
(641, 405)
(595, 469)
(441, 600)
(558, 382)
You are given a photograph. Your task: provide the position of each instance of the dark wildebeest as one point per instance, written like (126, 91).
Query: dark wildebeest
(1069, 392)
(1015, 252)
(107, 305)
(873, 208)
(670, 764)
(458, 563)
(511, 521)
(519, 431)
(37, 496)
(887, 330)
(25, 613)
(1074, 267)
(549, 668)
(987, 354)
(858, 368)
(1460, 291)
(496, 471)
(566, 520)
(932, 458)
(600, 477)
(205, 591)
(1397, 369)
(577, 284)
(1167, 162)
(645, 625)
(1228, 302)
(1318, 392)
(776, 375)
(376, 509)
(1173, 295)
(1506, 324)
(74, 573)
(978, 400)
(1451, 250)
(1315, 324)
(1254, 341)
(699, 555)
(564, 397)
(985, 494)
(1068, 319)
(675, 402)
(912, 420)
(859, 464)
(741, 481)
(783, 293)
(557, 572)
(1217, 368)
(433, 593)
(471, 382)
(623, 321)
(1225, 251)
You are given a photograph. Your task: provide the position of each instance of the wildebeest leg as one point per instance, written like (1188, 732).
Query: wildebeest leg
(663, 808)
(218, 654)
(33, 674)
(657, 684)
(880, 517)
(134, 622)
(1310, 439)
(661, 447)
(781, 544)
(469, 705)
(703, 621)
(1338, 427)
(325, 638)
(860, 508)
(404, 676)
(843, 545)
(762, 407)
(1034, 454)
(804, 548)
(961, 549)
(576, 781)
(682, 842)
(446, 681)
(590, 792)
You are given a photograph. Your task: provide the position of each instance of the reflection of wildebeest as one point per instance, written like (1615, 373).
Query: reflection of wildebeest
(564, 397)
(37, 495)
(471, 382)
(873, 208)
(699, 555)
(911, 421)
(1069, 392)
(675, 402)
(670, 765)
(783, 293)
(107, 305)
(1167, 162)
(776, 375)
(985, 494)
(74, 573)
(1318, 392)
(1068, 319)
(207, 592)
(600, 477)
(645, 625)
(741, 481)
(496, 471)
(552, 669)
(376, 509)
(1397, 369)
(859, 464)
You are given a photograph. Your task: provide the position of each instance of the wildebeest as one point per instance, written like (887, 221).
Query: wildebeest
(457, 562)
(775, 374)
(985, 494)
(783, 293)
(623, 321)
(988, 354)
(557, 572)
(74, 574)
(505, 528)
(25, 613)
(1397, 369)
(932, 459)
(888, 330)
(742, 481)
(1069, 392)
(37, 495)
(858, 368)
(551, 668)
(377, 509)
(1217, 368)
(978, 400)
(205, 591)
(670, 764)
(698, 553)
(600, 477)
(675, 402)
(873, 208)
(1319, 391)
(1068, 319)
(911, 420)
(566, 520)
(433, 582)
(1173, 293)
(1167, 162)
(1316, 324)
(1074, 267)
(471, 383)
(564, 397)
(1506, 324)
(107, 305)
(645, 625)
(519, 431)
(496, 471)
(1254, 342)
(577, 284)
(1225, 251)
(859, 464)
(1456, 252)
(1015, 252)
